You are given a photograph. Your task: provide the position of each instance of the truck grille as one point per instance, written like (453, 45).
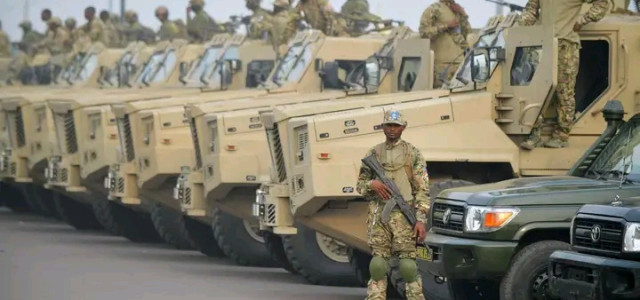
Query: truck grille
(126, 138)
(455, 219)
(275, 147)
(196, 144)
(16, 127)
(70, 133)
(609, 238)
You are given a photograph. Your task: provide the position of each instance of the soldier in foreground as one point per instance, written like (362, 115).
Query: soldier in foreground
(393, 234)
(283, 26)
(94, 29)
(568, 22)
(260, 19)
(201, 27)
(5, 44)
(169, 30)
(447, 25)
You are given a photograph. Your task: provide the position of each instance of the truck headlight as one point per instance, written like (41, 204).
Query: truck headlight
(488, 219)
(631, 238)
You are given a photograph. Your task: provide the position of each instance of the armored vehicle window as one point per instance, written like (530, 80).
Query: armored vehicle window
(73, 67)
(258, 71)
(89, 66)
(165, 67)
(493, 39)
(149, 66)
(593, 73)
(524, 66)
(621, 156)
(293, 65)
(408, 73)
(205, 63)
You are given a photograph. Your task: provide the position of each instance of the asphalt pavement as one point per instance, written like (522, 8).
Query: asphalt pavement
(45, 259)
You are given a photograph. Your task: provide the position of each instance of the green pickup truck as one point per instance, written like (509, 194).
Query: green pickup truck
(493, 241)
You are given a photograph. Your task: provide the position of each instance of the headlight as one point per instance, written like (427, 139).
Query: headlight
(260, 196)
(631, 238)
(487, 219)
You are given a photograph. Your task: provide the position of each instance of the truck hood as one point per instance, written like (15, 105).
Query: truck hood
(558, 190)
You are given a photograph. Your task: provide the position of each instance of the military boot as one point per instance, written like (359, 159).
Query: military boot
(531, 142)
(556, 143)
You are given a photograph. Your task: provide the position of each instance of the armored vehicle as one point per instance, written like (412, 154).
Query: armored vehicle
(472, 131)
(230, 161)
(290, 78)
(604, 263)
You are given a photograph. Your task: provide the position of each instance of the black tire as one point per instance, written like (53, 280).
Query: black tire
(170, 227)
(123, 221)
(274, 245)
(44, 199)
(527, 277)
(202, 237)
(236, 242)
(310, 262)
(440, 186)
(76, 214)
(14, 199)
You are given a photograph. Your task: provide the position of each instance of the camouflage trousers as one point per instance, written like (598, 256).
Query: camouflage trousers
(568, 65)
(443, 73)
(395, 238)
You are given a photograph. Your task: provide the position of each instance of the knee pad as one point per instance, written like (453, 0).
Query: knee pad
(408, 269)
(378, 268)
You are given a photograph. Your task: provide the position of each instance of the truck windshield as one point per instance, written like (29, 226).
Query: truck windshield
(490, 39)
(619, 158)
(124, 68)
(73, 67)
(89, 66)
(355, 78)
(293, 65)
(205, 63)
(158, 67)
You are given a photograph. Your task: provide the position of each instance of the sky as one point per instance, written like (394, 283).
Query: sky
(12, 12)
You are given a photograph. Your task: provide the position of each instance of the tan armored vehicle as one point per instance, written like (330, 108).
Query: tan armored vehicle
(469, 134)
(79, 174)
(230, 161)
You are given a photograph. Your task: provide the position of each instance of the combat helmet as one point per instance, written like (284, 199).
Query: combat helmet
(54, 21)
(70, 22)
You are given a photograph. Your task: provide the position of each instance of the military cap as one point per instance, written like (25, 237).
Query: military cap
(25, 24)
(281, 3)
(393, 116)
(198, 2)
(54, 21)
(162, 10)
(70, 22)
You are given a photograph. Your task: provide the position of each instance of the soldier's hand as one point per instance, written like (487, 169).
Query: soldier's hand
(453, 24)
(381, 189)
(420, 232)
(577, 27)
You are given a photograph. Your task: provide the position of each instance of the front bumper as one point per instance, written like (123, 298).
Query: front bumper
(272, 209)
(189, 193)
(574, 275)
(121, 182)
(461, 258)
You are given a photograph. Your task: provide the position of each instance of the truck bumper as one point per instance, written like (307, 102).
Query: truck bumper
(460, 258)
(574, 275)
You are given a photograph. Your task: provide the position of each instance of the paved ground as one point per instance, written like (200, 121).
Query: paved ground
(45, 259)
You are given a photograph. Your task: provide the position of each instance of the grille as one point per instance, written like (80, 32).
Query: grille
(64, 175)
(126, 138)
(456, 217)
(54, 173)
(13, 168)
(121, 185)
(275, 147)
(196, 143)
(297, 184)
(70, 133)
(610, 239)
(187, 196)
(303, 139)
(271, 214)
(16, 127)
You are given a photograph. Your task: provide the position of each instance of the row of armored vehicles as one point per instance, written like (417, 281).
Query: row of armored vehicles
(223, 149)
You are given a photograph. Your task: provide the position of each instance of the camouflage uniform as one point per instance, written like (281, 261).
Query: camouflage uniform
(58, 41)
(357, 15)
(260, 20)
(283, 26)
(95, 30)
(5, 44)
(447, 44)
(169, 30)
(201, 27)
(566, 14)
(112, 33)
(404, 164)
(30, 37)
(320, 15)
(134, 31)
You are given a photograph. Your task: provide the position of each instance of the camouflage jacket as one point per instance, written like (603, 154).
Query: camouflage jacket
(31, 37)
(5, 45)
(260, 23)
(434, 22)
(95, 31)
(419, 180)
(319, 15)
(283, 27)
(57, 42)
(565, 14)
(201, 27)
(169, 31)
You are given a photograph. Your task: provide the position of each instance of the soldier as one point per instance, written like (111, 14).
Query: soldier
(58, 41)
(5, 44)
(567, 24)
(283, 25)
(201, 27)
(260, 19)
(70, 26)
(404, 164)
(94, 29)
(319, 14)
(446, 24)
(45, 16)
(169, 30)
(29, 36)
(136, 31)
(358, 17)
(111, 30)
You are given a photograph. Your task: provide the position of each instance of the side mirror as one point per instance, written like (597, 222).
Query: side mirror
(372, 74)
(318, 64)
(235, 65)
(329, 75)
(480, 65)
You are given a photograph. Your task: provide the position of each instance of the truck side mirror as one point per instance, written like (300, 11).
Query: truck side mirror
(329, 75)
(235, 65)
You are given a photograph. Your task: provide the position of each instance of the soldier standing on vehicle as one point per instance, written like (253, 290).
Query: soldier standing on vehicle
(404, 164)
(57, 42)
(45, 16)
(446, 24)
(70, 26)
(169, 30)
(94, 29)
(201, 27)
(110, 29)
(29, 36)
(567, 23)
(358, 17)
(134, 31)
(319, 14)
(260, 20)
(5, 44)
(284, 24)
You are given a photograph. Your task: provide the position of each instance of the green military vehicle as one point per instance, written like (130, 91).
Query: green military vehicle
(469, 135)
(135, 183)
(604, 263)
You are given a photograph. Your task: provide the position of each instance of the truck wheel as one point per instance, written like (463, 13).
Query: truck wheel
(121, 220)
(240, 241)
(274, 245)
(169, 225)
(43, 198)
(202, 237)
(527, 278)
(440, 186)
(319, 259)
(14, 199)
(76, 214)
(102, 209)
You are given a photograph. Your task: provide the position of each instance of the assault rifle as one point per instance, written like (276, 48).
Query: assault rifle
(372, 162)
(512, 7)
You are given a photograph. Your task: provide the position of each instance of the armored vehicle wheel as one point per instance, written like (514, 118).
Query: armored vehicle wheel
(170, 226)
(43, 198)
(240, 241)
(319, 259)
(527, 278)
(76, 214)
(274, 245)
(202, 237)
(14, 199)
(437, 187)
(120, 220)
